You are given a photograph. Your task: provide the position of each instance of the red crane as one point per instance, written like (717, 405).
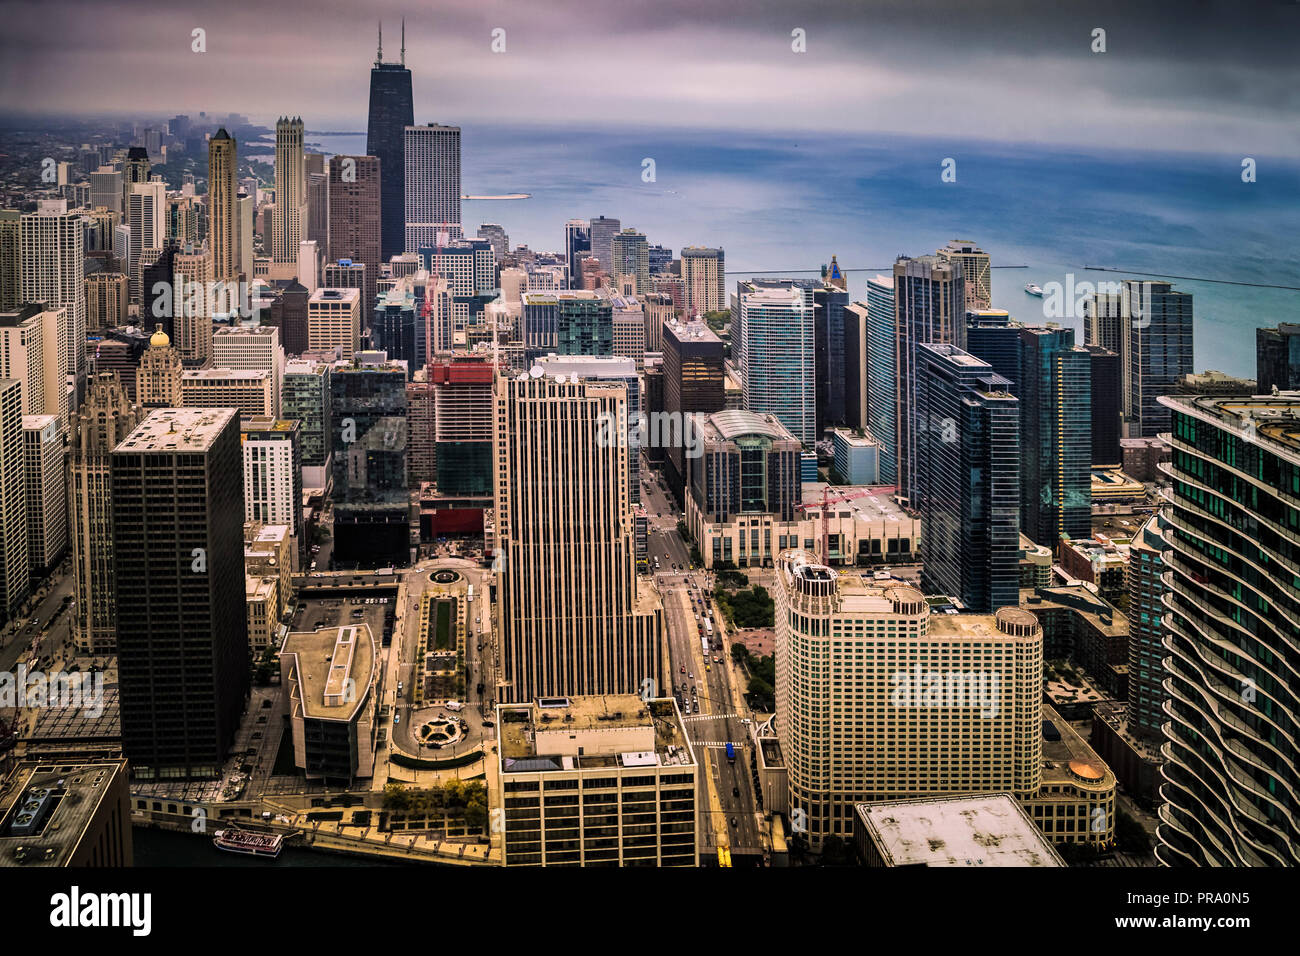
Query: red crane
(824, 503)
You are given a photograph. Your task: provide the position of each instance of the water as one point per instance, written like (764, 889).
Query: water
(169, 848)
(784, 203)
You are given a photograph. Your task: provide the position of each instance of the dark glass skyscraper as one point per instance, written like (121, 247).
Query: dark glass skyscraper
(830, 356)
(1055, 392)
(391, 111)
(1107, 413)
(1277, 357)
(930, 306)
(967, 474)
(182, 625)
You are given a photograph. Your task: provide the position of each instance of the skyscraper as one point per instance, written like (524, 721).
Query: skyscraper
(929, 306)
(601, 232)
(1055, 393)
(252, 348)
(432, 184)
(355, 223)
(52, 254)
(967, 474)
(391, 111)
(1146, 650)
(289, 221)
(577, 243)
(1107, 419)
(223, 231)
(832, 357)
(773, 330)
(104, 420)
(882, 374)
(158, 381)
(307, 399)
(146, 215)
(1230, 609)
(182, 627)
(630, 256)
(1159, 351)
(584, 324)
(573, 620)
(272, 455)
(975, 270)
(1277, 358)
(694, 381)
(15, 574)
(704, 275)
(47, 493)
(857, 720)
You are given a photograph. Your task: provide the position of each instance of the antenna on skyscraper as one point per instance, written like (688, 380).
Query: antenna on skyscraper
(403, 41)
(379, 57)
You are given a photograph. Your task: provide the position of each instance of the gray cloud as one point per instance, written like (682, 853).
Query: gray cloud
(1193, 75)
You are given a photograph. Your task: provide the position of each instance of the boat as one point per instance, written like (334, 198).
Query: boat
(248, 842)
(1034, 289)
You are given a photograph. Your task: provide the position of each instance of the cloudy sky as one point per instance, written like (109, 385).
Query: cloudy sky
(1198, 74)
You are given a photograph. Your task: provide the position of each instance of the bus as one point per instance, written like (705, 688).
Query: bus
(708, 627)
(470, 594)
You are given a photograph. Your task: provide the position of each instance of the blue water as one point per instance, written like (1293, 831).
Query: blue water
(782, 203)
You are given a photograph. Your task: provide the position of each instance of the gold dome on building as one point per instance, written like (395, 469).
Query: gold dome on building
(159, 339)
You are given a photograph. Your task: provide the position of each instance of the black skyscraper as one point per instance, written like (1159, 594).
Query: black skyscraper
(391, 110)
(182, 627)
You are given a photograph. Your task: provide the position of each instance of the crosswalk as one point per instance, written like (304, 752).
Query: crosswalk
(713, 717)
(716, 744)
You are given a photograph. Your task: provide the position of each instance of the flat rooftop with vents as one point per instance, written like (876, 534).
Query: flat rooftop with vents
(580, 733)
(977, 830)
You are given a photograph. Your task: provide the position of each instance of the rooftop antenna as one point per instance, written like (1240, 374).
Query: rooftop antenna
(403, 41)
(379, 57)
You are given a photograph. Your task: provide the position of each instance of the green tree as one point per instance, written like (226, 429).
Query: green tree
(739, 652)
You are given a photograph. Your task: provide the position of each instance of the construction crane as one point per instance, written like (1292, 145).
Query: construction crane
(824, 503)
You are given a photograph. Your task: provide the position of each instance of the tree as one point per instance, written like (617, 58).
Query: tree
(739, 652)
(1130, 835)
(396, 797)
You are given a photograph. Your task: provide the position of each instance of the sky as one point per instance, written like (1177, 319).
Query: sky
(1199, 75)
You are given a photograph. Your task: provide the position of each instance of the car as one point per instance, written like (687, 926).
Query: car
(489, 723)
(399, 686)
(735, 791)
(397, 718)
(683, 668)
(691, 675)
(733, 821)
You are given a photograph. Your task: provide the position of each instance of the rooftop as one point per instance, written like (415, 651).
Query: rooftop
(734, 423)
(1271, 421)
(178, 429)
(590, 732)
(979, 830)
(324, 662)
(47, 805)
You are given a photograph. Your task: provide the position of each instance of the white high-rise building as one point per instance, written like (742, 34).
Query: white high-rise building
(252, 348)
(245, 206)
(272, 471)
(106, 189)
(309, 264)
(15, 573)
(147, 216)
(334, 320)
(53, 268)
(289, 222)
(33, 350)
(47, 493)
(432, 185)
(879, 699)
